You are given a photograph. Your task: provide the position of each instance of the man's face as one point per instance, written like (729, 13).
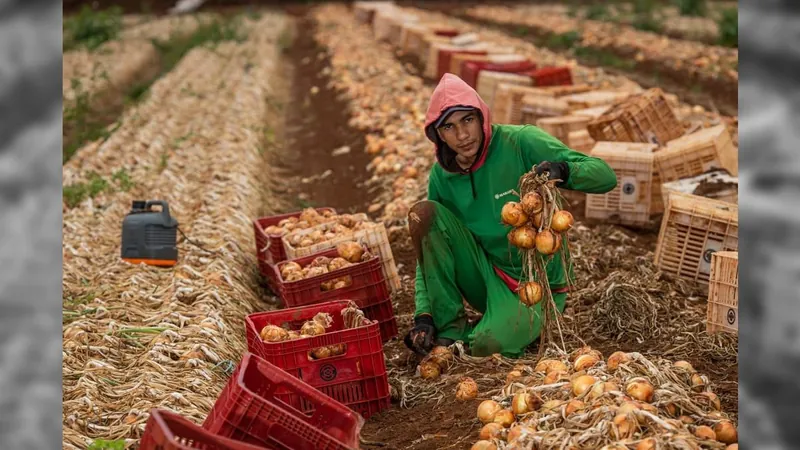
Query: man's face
(462, 132)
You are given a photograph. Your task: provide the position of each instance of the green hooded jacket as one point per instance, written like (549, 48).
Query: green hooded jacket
(477, 195)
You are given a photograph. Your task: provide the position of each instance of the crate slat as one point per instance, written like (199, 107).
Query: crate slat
(723, 293)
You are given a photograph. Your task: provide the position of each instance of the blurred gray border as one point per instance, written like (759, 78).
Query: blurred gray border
(30, 224)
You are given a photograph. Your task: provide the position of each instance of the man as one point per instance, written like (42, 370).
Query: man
(462, 246)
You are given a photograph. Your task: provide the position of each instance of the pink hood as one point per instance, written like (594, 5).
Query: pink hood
(453, 91)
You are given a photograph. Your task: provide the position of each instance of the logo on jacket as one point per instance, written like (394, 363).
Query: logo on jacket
(498, 196)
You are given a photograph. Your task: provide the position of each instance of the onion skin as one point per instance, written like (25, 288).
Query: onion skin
(487, 410)
(549, 365)
(726, 432)
(513, 376)
(537, 220)
(584, 362)
(732, 447)
(704, 432)
(483, 445)
(429, 370)
(504, 417)
(490, 431)
(624, 426)
(551, 405)
(523, 237)
(647, 444)
(554, 376)
(350, 251)
(516, 431)
(698, 382)
(532, 203)
(512, 214)
(467, 389)
(640, 389)
(442, 356)
(525, 402)
(547, 242)
(574, 406)
(616, 359)
(562, 221)
(582, 384)
(273, 333)
(711, 400)
(530, 293)
(685, 365)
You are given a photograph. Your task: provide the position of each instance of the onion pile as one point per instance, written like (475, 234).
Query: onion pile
(333, 227)
(349, 253)
(317, 326)
(638, 405)
(308, 218)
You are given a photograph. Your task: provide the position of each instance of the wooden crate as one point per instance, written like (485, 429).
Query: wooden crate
(633, 200)
(411, 37)
(594, 99)
(646, 117)
(488, 80)
(697, 153)
(580, 141)
(381, 24)
(425, 53)
(723, 293)
(594, 112)
(693, 228)
(560, 91)
(716, 184)
(535, 107)
(506, 95)
(562, 126)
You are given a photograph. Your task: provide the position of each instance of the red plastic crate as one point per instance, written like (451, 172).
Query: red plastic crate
(275, 252)
(368, 289)
(446, 33)
(166, 430)
(249, 410)
(471, 69)
(356, 378)
(445, 56)
(551, 76)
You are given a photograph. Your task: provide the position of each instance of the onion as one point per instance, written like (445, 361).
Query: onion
(547, 242)
(551, 406)
(289, 267)
(442, 356)
(350, 251)
(549, 365)
(483, 445)
(518, 430)
(640, 389)
(698, 382)
(624, 426)
(525, 402)
(532, 203)
(574, 406)
(429, 370)
(732, 447)
(342, 283)
(487, 410)
(321, 353)
(627, 408)
(292, 335)
(562, 221)
(490, 431)
(338, 349)
(685, 365)
(320, 261)
(512, 214)
(273, 333)
(312, 328)
(467, 389)
(554, 376)
(513, 376)
(616, 359)
(537, 220)
(726, 432)
(711, 400)
(582, 384)
(704, 432)
(615, 446)
(672, 409)
(338, 263)
(584, 362)
(647, 444)
(648, 407)
(530, 293)
(601, 388)
(686, 419)
(504, 417)
(523, 237)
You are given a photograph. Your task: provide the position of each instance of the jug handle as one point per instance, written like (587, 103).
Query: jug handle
(164, 208)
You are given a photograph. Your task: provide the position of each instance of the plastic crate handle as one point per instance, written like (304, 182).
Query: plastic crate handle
(175, 426)
(311, 395)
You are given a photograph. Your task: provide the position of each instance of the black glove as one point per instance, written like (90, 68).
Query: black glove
(420, 338)
(557, 171)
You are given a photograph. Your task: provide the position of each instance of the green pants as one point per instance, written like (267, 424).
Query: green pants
(453, 268)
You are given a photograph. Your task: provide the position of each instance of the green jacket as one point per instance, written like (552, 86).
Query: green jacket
(477, 196)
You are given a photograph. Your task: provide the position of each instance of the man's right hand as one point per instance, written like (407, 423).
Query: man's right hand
(420, 338)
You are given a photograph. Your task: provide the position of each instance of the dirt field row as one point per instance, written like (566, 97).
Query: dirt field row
(138, 337)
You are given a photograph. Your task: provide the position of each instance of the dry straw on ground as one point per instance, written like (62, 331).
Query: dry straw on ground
(138, 337)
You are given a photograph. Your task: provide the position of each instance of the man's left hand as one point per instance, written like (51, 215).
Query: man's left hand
(556, 170)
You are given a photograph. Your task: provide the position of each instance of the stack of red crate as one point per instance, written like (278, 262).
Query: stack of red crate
(471, 69)
(269, 248)
(551, 76)
(367, 287)
(356, 377)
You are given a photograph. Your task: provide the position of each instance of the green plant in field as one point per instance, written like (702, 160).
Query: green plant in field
(102, 444)
(646, 22)
(90, 28)
(643, 6)
(521, 31)
(728, 25)
(285, 40)
(74, 194)
(597, 11)
(692, 7)
(563, 40)
(123, 180)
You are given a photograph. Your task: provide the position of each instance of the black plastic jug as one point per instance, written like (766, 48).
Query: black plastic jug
(148, 236)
